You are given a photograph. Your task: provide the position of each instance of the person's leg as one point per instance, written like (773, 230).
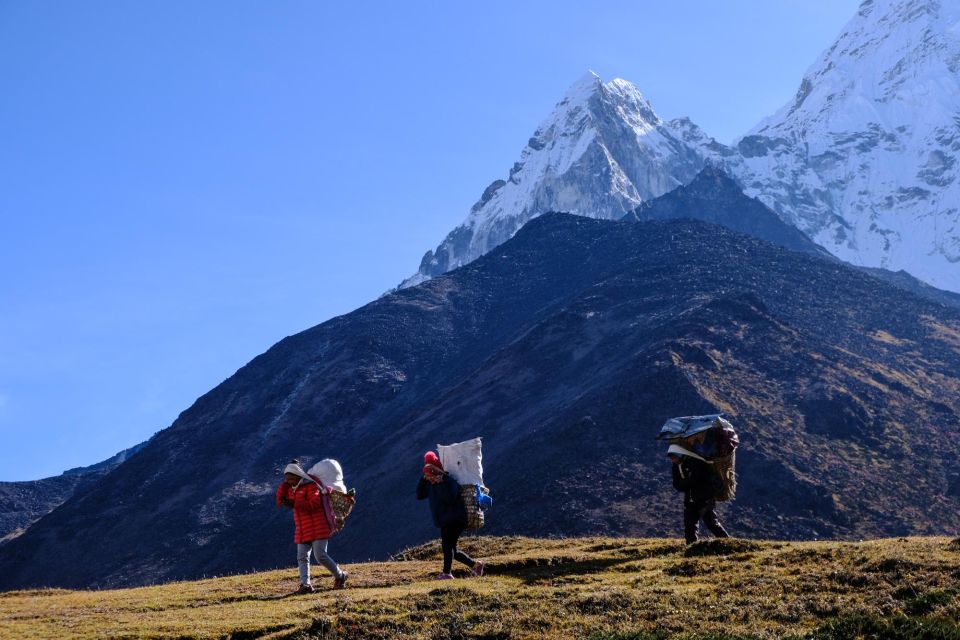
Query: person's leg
(691, 519)
(303, 561)
(448, 542)
(713, 523)
(320, 553)
(458, 555)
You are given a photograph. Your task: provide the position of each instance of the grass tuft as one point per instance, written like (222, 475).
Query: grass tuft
(721, 547)
(873, 627)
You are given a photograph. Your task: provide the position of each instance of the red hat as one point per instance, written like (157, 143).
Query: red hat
(432, 468)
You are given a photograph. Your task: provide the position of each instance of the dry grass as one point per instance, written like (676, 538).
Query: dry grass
(600, 588)
(882, 336)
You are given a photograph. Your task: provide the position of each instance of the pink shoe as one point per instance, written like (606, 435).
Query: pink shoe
(445, 576)
(478, 568)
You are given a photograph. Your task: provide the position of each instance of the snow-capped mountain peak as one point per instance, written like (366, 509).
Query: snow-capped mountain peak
(865, 158)
(601, 152)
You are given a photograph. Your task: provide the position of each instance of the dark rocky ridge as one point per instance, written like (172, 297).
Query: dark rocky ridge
(565, 348)
(713, 196)
(23, 503)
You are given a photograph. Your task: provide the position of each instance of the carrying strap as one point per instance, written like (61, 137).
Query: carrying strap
(680, 451)
(325, 501)
(328, 507)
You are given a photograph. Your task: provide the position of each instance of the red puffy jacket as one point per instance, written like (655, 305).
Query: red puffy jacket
(310, 519)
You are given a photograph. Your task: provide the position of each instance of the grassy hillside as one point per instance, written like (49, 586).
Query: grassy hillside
(602, 588)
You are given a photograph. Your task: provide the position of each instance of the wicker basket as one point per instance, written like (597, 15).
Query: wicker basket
(726, 468)
(342, 506)
(475, 518)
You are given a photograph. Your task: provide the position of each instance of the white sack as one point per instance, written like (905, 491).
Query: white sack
(463, 460)
(330, 474)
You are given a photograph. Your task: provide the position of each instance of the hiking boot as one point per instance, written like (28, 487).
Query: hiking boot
(478, 568)
(304, 588)
(341, 582)
(445, 576)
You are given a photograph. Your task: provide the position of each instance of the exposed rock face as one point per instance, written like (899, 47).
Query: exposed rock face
(565, 348)
(864, 158)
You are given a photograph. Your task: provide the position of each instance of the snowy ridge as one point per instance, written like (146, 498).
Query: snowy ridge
(601, 152)
(864, 158)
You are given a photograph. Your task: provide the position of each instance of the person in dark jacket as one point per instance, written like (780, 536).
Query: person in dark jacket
(693, 476)
(448, 511)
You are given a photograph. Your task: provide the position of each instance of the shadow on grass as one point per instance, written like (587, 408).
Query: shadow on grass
(865, 627)
(534, 570)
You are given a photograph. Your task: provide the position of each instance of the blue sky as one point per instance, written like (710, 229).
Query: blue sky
(182, 184)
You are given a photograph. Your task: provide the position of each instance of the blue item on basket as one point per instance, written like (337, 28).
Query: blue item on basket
(484, 501)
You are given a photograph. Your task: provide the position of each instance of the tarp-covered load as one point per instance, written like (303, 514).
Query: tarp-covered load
(464, 461)
(690, 425)
(711, 438)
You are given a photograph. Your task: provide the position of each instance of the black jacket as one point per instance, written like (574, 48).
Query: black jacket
(446, 505)
(695, 478)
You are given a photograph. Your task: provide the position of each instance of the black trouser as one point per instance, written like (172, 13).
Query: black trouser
(694, 512)
(449, 535)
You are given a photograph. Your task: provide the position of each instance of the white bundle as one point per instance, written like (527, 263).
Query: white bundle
(464, 461)
(330, 474)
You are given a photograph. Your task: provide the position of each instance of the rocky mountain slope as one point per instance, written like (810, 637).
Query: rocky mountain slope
(565, 348)
(713, 196)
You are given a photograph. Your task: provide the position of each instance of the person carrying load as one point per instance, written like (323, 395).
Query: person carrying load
(448, 511)
(313, 521)
(693, 477)
(703, 453)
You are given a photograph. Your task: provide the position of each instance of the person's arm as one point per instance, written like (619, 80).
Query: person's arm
(682, 479)
(283, 495)
(423, 488)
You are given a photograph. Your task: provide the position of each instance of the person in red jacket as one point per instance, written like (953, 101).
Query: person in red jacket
(313, 524)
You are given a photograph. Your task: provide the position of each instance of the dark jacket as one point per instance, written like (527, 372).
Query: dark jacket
(446, 505)
(695, 478)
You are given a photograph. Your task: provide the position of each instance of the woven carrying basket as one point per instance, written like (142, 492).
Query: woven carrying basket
(475, 518)
(342, 506)
(726, 468)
